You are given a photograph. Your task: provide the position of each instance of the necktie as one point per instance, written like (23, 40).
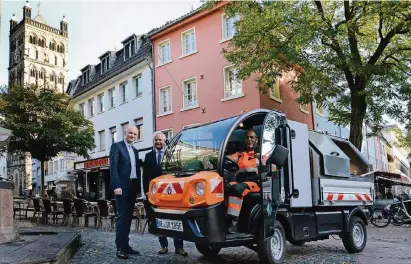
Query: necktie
(159, 158)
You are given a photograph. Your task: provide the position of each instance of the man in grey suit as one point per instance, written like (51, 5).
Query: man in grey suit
(125, 181)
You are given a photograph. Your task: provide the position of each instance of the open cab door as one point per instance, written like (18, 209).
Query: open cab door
(273, 158)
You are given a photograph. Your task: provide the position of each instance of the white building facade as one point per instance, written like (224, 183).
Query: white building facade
(113, 95)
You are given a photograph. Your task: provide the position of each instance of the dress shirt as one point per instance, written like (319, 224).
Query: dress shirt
(161, 155)
(133, 174)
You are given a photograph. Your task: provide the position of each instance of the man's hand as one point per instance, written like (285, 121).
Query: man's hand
(118, 191)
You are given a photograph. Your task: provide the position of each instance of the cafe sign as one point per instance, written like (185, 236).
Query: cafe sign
(88, 164)
(96, 163)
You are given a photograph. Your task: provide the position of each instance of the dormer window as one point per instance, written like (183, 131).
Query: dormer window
(129, 49)
(86, 76)
(105, 64)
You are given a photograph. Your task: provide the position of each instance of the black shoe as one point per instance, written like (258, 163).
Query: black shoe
(163, 250)
(121, 254)
(181, 252)
(131, 251)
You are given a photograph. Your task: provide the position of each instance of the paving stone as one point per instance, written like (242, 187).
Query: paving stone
(390, 245)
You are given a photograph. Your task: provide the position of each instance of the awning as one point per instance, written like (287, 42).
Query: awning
(393, 181)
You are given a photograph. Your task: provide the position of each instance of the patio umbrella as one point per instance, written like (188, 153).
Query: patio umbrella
(5, 135)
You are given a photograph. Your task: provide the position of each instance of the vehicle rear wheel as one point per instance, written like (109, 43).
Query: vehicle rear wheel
(273, 249)
(207, 250)
(356, 238)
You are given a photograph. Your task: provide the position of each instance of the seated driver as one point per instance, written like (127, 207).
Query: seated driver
(247, 162)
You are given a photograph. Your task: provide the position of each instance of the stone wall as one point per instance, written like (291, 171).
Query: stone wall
(7, 233)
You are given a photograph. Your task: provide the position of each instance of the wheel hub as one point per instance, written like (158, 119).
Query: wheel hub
(277, 245)
(358, 235)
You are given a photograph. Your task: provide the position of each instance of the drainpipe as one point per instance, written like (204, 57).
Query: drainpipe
(153, 98)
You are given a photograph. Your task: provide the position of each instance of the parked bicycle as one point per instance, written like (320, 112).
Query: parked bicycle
(400, 213)
(380, 218)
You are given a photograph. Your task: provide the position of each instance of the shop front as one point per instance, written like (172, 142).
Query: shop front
(93, 179)
(388, 186)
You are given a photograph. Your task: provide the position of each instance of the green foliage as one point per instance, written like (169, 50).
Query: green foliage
(43, 124)
(352, 56)
(404, 138)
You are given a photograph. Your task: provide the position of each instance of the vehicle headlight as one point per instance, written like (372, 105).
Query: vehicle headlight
(200, 188)
(154, 189)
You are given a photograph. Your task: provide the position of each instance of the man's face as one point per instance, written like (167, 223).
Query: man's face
(250, 140)
(131, 134)
(159, 141)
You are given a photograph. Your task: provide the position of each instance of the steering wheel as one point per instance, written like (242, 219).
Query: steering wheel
(230, 165)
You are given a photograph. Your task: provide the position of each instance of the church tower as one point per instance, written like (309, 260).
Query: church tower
(38, 52)
(38, 55)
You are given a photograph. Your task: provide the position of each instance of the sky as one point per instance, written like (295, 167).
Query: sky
(94, 27)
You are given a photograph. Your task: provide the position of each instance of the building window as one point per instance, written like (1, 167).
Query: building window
(91, 107)
(165, 100)
(124, 126)
(86, 76)
(61, 164)
(33, 72)
(229, 29)
(102, 136)
(111, 94)
(304, 108)
(275, 93)
(123, 89)
(137, 85)
(168, 133)
(190, 93)
(139, 124)
(37, 54)
(56, 166)
(188, 40)
(100, 99)
(46, 58)
(81, 109)
(129, 49)
(105, 64)
(55, 60)
(232, 84)
(164, 52)
(113, 134)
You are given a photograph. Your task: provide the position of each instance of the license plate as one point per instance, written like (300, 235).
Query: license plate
(174, 225)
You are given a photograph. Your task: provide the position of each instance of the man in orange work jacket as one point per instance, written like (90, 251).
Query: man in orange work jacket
(248, 163)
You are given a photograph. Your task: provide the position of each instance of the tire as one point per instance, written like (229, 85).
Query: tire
(208, 251)
(380, 218)
(273, 249)
(356, 238)
(298, 243)
(399, 218)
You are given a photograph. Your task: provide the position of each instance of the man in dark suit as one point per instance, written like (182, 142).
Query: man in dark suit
(151, 170)
(125, 181)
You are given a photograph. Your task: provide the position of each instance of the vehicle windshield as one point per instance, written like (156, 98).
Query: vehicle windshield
(197, 148)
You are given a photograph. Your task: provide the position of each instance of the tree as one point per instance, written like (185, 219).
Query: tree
(357, 52)
(43, 124)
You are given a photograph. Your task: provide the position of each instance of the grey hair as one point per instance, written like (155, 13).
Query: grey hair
(159, 133)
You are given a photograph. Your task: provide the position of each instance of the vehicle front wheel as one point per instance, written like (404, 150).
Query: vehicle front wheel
(208, 251)
(355, 238)
(273, 249)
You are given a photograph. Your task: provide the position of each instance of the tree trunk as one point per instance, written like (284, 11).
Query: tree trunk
(43, 190)
(358, 111)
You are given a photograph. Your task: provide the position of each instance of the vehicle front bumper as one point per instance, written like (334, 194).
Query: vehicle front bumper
(200, 225)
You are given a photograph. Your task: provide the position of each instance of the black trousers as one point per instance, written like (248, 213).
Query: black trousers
(125, 208)
(178, 243)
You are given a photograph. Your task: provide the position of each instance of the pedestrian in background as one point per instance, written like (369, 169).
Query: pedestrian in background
(151, 170)
(125, 181)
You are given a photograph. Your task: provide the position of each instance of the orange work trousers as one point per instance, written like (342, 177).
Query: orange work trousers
(235, 203)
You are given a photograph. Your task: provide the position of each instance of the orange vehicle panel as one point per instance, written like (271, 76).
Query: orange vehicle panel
(180, 193)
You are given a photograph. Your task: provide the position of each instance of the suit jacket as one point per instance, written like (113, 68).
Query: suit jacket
(120, 166)
(150, 169)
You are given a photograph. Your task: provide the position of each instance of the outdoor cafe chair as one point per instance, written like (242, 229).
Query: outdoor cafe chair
(104, 213)
(50, 210)
(37, 209)
(68, 211)
(84, 210)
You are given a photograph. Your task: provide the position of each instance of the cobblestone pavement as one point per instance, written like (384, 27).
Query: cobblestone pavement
(390, 245)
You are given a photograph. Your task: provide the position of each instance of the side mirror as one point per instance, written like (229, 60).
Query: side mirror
(279, 156)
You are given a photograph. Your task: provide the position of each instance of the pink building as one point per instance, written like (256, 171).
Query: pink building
(194, 83)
